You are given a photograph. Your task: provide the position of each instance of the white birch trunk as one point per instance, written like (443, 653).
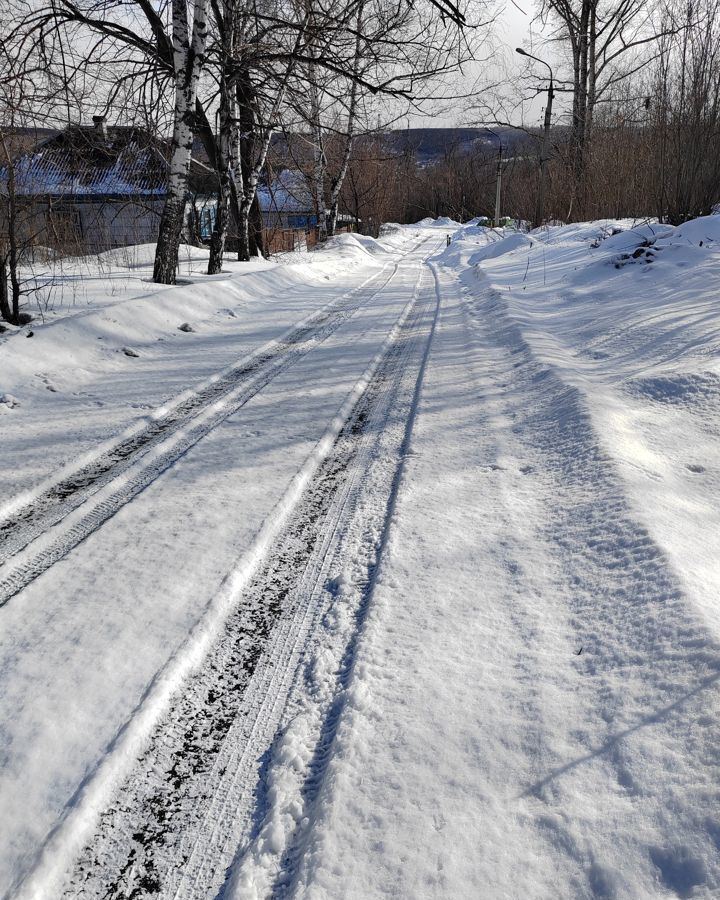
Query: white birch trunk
(249, 188)
(189, 58)
(230, 173)
(248, 195)
(320, 162)
(337, 182)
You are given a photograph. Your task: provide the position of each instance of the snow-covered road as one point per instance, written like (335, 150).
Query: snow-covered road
(414, 594)
(536, 713)
(95, 637)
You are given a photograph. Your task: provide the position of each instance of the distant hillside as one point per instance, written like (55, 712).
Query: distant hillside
(428, 145)
(432, 144)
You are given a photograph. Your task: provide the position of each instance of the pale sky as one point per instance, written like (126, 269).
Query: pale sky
(513, 29)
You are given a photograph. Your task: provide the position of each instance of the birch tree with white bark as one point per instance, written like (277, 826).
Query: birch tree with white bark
(189, 41)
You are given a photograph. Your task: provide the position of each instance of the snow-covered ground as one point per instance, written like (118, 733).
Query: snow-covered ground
(404, 584)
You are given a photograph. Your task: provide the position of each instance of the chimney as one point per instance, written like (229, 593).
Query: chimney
(99, 123)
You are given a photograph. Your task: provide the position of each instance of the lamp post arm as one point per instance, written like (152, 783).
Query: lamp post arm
(537, 59)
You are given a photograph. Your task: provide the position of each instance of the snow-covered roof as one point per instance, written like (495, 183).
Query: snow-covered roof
(287, 193)
(91, 162)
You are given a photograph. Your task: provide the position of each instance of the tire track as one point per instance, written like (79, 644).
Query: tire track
(195, 794)
(83, 501)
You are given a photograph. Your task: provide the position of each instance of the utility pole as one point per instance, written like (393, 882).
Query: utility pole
(540, 204)
(498, 188)
(498, 180)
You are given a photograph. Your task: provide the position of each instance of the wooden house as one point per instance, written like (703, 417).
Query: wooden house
(92, 188)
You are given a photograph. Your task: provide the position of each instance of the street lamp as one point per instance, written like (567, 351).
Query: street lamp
(498, 181)
(540, 206)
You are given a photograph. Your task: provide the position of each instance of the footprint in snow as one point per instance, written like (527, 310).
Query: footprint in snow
(8, 401)
(46, 381)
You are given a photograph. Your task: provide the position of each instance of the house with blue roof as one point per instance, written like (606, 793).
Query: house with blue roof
(92, 188)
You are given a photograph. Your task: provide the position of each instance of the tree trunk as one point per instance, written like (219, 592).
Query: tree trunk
(257, 240)
(249, 198)
(244, 230)
(580, 119)
(591, 73)
(10, 301)
(253, 227)
(226, 195)
(188, 57)
(5, 310)
(220, 230)
(13, 260)
(320, 160)
(337, 186)
(245, 94)
(352, 108)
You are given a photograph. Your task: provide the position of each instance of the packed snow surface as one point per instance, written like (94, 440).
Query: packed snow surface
(519, 698)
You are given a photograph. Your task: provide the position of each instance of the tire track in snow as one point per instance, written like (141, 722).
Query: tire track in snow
(147, 837)
(328, 698)
(36, 536)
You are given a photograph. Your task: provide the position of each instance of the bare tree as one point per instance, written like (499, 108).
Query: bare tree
(9, 237)
(29, 90)
(684, 111)
(188, 44)
(608, 42)
(176, 47)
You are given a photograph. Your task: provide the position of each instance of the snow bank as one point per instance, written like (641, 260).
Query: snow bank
(623, 311)
(474, 230)
(471, 245)
(506, 245)
(640, 235)
(143, 255)
(697, 232)
(356, 246)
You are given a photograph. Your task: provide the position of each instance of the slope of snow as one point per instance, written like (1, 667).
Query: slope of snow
(110, 349)
(630, 322)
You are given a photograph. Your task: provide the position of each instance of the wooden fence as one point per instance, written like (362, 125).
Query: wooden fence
(285, 240)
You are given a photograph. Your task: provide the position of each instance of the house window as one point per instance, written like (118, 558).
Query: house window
(207, 222)
(64, 226)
